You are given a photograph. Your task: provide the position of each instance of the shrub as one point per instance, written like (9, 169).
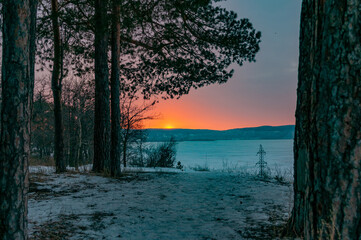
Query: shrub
(163, 155)
(135, 156)
(135, 161)
(179, 166)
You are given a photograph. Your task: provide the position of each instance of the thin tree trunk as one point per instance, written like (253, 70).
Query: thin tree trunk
(102, 113)
(33, 12)
(56, 87)
(80, 143)
(125, 145)
(17, 92)
(115, 98)
(70, 129)
(125, 141)
(327, 199)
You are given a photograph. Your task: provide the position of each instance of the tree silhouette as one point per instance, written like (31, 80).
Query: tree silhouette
(169, 47)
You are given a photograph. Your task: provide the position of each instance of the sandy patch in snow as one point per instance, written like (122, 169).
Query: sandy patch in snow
(183, 205)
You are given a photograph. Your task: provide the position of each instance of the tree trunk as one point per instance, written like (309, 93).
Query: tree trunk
(80, 144)
(70, 130)
(115, 82)
(125, 149)
(327, 199)
(102, 113)
(33, 13)
(57, 88)
(17, 91)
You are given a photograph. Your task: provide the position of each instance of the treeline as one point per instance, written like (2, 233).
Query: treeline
(78, 118)
(263, 132)
(78, 115)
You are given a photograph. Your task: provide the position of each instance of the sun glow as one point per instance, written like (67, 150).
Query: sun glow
(168, 126)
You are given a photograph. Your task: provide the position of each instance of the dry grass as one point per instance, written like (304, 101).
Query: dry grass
(44, 161)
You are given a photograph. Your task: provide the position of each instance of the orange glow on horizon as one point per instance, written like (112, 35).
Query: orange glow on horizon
(200, 110)
(160, 124)
(176, 114)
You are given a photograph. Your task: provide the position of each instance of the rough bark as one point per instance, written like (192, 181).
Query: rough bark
(17, 91)
(115, 98)
(56, 87)
(102, 113)
(327, 145)
(125, 149)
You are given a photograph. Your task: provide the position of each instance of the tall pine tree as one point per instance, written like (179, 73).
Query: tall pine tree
(327, 200)
(19, 19)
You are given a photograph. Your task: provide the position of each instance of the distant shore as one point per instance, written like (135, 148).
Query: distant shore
(256, 133)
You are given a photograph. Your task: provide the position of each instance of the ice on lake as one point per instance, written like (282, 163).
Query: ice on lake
(218, 155)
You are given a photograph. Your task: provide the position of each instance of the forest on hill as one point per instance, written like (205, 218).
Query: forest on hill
(263, 132)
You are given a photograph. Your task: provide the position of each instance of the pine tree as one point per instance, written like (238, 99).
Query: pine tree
(19, 18)
(327, 189)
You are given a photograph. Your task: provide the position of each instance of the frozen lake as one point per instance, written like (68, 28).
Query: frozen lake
(224, 154)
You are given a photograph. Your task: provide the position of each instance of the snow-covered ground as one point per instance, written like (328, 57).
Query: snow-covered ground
(157, 205)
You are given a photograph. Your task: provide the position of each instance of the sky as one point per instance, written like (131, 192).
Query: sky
(260, 93)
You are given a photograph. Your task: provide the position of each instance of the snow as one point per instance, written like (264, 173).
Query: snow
(155, 204)
(49, 170)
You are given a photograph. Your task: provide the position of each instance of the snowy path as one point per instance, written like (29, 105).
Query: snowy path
(203, 205)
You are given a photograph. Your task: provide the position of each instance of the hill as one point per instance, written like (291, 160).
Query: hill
(263, 132)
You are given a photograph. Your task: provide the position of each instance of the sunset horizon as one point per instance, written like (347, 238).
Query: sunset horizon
(220, 129)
